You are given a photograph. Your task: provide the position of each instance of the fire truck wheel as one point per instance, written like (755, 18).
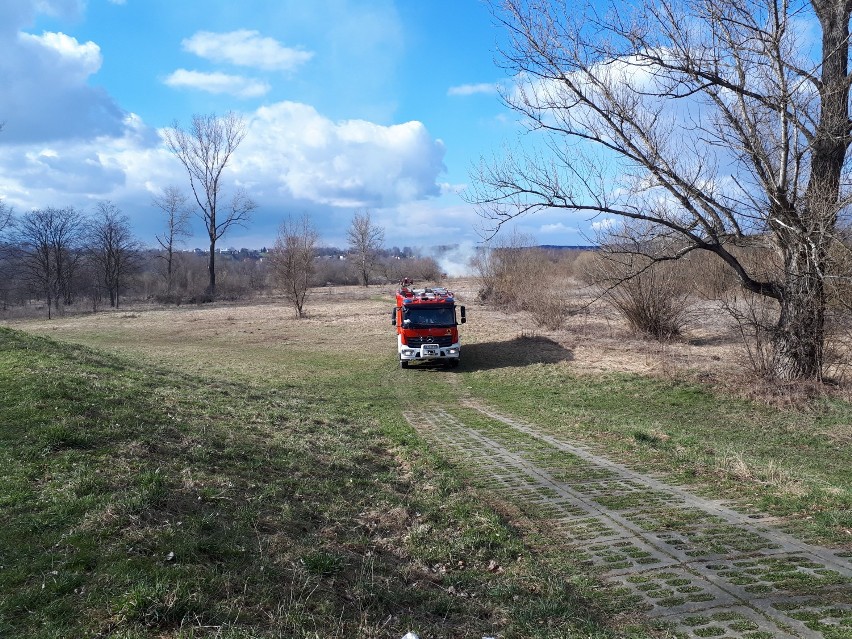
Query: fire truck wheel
(403, 363)
(454, 363)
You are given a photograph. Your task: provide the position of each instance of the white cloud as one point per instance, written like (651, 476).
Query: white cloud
(77, 172)
(218, 83)
(606, 224)
(472, 89)
(293, 158)
(46, 93)
(297, 151)
(246, 48)
(81, 59)
(453, 189)
(426, 219)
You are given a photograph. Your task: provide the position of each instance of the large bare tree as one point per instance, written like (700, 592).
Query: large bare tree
(204, 149)
(293, 259)
(366, 239)
(112, 249)
(719, 122)
(173, 203)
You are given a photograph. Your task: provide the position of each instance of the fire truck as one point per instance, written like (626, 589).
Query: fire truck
(426, 325)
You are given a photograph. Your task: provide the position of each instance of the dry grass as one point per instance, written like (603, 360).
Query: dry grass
(594, 340)
(245, 341)
(233, 337)
(598, 340)
(259, 335)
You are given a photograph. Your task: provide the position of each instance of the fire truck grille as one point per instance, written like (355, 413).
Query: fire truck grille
(440, 340)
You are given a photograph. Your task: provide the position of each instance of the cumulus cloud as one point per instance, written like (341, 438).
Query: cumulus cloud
(472, 89)
(216, 82)
(46, 94)
(246, 48)
(77, 172)
(414, 221)
(354, 163)
(18, 14)
(81, 60)
(292, 158)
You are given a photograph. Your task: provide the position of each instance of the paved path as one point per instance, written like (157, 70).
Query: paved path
(696, 564)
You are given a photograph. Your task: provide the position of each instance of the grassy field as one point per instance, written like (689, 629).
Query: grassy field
(231, 472)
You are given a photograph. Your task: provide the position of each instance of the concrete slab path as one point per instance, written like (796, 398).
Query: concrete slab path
(699, 566)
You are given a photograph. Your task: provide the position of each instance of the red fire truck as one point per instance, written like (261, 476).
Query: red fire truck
(426, 325)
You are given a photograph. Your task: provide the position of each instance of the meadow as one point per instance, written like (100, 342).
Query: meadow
(227, 470)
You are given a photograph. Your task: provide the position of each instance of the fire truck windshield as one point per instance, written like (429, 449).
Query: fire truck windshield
(429, 316)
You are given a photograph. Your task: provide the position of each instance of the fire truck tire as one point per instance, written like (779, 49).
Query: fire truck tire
(403, 363)
(454, 363)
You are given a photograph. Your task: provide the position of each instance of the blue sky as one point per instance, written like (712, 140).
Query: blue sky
(350, 104)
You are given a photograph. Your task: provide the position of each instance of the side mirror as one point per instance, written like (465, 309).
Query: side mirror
(463, 316)
(393, 317)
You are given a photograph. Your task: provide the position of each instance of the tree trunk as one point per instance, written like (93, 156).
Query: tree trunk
(169, 275)
(211, 269)
(800, 333)
(799, 337)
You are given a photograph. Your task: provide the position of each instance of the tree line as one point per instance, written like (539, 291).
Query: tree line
(54, 252)
(61, 259)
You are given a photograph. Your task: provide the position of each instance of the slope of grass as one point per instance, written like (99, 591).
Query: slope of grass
(140, 501)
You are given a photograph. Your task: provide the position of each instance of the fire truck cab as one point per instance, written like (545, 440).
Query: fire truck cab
(426, 325)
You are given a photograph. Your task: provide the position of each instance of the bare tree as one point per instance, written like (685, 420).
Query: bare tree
(113, 250)
(50, 243)
(711, 119)
(5, 216)
(6, 273)
(365, 241)
(205, 149)
(173, 204)
(293, 259)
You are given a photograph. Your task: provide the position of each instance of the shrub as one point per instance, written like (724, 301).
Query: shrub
(653, 297)
(517, 276)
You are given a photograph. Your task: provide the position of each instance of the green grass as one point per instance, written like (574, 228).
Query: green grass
(140, 500)
(167, 485)
(785, 462)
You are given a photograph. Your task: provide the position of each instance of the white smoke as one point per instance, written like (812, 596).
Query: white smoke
(455, 259)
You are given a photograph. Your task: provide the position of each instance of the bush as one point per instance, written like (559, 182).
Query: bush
(548, 311)
(517, 276)
(653, 297)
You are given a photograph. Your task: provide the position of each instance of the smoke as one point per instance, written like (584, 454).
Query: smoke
(454, 259)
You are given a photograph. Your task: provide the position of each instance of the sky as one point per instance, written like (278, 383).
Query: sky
(349, 105)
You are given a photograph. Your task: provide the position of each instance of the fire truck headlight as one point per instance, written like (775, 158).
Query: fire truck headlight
(453, 351)
(407, 352)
